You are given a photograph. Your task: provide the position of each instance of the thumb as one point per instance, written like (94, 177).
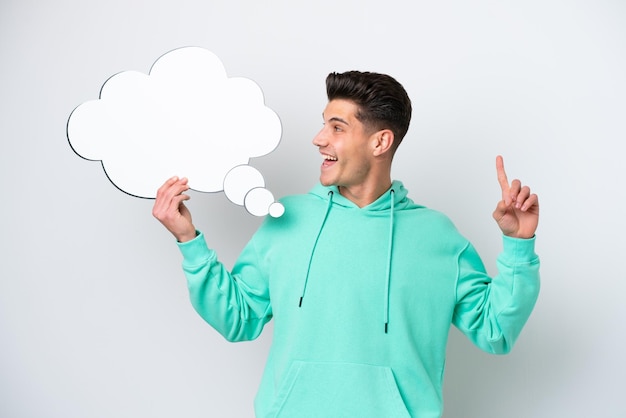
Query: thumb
(500, 210)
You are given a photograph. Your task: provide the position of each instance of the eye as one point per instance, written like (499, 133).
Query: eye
(337, 128)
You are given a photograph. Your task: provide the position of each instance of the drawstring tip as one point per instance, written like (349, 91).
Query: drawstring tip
(386, 326)
(300, 304)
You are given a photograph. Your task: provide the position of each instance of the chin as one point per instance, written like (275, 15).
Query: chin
(326, 182)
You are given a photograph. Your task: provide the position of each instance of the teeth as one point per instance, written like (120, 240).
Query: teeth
(330, 158)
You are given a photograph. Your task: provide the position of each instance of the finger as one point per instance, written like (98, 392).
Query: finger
(521, 197)
(171, 188)
(175, 204)
(500, 210)
(516, 187)
(179, 198)
(531, 202)
(168, 211)
(175, 195)
(166, 199)
(167, 185)
(502, 179)
(179, 187)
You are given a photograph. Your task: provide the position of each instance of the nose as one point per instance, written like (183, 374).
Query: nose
(320, 139)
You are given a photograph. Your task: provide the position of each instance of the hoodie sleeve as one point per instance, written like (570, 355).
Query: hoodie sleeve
(492, 312)
(235, 303)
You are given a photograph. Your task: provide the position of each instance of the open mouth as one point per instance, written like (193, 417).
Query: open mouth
(328, 160)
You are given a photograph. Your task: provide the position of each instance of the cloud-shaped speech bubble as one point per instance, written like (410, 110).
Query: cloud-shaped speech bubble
(186, 118)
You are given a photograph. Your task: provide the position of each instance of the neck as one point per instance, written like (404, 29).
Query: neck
(364, 195)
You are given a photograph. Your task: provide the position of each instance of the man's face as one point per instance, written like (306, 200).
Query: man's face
(344, 145)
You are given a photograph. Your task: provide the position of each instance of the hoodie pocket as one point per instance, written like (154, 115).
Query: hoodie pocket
(333, 390)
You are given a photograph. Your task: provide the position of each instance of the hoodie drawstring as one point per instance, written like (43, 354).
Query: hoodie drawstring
(389, 251)
(389, 254)
(308, 269)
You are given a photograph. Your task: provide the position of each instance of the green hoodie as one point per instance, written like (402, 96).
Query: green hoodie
(362, 301)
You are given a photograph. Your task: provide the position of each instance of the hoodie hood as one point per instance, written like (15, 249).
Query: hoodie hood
(399, 200)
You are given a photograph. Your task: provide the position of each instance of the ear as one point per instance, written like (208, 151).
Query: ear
(383, 142)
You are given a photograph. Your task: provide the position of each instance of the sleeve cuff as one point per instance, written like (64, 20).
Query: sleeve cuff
(196, 250)
(519, 249)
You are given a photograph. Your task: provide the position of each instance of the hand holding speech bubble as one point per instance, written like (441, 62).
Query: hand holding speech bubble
(186, 118)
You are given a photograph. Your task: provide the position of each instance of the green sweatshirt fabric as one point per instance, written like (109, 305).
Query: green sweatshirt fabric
(362, 301)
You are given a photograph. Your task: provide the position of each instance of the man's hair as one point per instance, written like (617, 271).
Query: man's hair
(382, 102)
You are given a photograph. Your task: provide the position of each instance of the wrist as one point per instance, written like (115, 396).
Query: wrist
(186, 236)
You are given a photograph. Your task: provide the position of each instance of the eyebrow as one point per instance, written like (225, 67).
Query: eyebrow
(337, 119)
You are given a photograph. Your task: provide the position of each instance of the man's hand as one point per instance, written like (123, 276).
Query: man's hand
(170, 210)
(517, 214)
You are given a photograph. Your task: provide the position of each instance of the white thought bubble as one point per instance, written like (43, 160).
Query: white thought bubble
(186, 118)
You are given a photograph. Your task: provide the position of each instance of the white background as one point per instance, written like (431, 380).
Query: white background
(94, 315)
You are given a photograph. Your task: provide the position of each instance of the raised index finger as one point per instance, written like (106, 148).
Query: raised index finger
(502, 178)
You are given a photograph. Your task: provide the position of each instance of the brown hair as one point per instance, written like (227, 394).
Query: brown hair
(383, 103)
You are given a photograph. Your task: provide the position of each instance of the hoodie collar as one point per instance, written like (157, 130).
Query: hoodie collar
(399, 199)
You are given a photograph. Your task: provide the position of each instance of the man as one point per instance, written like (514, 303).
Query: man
(362, 283)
